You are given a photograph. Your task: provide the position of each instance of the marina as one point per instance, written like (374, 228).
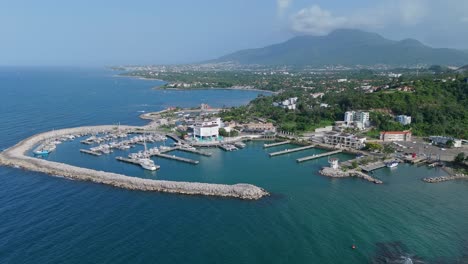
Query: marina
(16, 157)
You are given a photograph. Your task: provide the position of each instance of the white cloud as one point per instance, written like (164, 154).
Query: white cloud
(413, 12)
(317, 21)
(282, 6)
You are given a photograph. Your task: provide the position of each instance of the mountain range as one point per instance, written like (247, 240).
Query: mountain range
(347, 47)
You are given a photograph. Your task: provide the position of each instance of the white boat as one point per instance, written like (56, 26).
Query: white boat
(147, 164)
(391, 164)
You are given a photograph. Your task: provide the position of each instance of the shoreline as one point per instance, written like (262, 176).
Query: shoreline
(214, 88)
(16, 157)
(189, 89)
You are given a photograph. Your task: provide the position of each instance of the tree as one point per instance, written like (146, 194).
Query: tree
(450, 143)
(354, 164)
(459, 158)
(372, 146)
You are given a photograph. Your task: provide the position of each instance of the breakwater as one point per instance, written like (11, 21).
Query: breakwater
(16, 156)
(446, 178)
(338, 173)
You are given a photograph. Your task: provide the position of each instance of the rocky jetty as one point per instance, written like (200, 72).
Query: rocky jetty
(16, 157)
(446, 178)
(338, 173)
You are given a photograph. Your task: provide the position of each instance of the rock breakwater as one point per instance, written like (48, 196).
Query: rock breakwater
(446, 178)
(338, 173)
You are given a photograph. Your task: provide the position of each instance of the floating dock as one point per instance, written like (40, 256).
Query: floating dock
(276, 144)
(90, 152)
(286, 151)
(316, 156)
(174, 157)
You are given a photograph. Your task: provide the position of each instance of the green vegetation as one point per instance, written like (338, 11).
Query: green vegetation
(232, 133)
(460, 158)
(372, 146)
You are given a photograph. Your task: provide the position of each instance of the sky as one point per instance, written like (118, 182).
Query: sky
(117, 32)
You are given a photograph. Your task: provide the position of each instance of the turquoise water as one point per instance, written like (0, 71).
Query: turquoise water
(308, 218)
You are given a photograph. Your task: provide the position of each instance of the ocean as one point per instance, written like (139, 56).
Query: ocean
(307, 219)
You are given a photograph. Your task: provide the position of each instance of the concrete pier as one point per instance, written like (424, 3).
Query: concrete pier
(132, 161)
(90, 152)
(174, 157)
(276, 144)
(316, 156)
(203, 153)
(286, 151)
(372, 166)
(17, 157)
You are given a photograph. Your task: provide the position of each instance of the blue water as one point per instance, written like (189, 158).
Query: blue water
(308, 218)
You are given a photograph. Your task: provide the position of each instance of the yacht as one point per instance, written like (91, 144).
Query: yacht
(391, 164)
(147, 164)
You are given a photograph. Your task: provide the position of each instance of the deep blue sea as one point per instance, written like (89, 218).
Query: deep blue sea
(307, 219)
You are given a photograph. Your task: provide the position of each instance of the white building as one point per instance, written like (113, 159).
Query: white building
(395, 136)
(344, 140)
(317, 95)
(403, 119)
(289, 104)
(342, 80)
(457, 143)
(207, 129)
(358, 119)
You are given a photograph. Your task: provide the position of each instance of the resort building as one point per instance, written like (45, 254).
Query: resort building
(403, 119)
(207, 129)
(344, 140)
(289, 104)
(441, 140)
(395, 136)
(358, 119)
(259, 127)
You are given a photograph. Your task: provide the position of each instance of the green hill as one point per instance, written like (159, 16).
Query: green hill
(348, 47)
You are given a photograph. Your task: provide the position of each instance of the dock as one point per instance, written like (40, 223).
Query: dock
(203, 153)
(276, 144)
(316, 156)
(132, 161)
(372, 166)
(286, 151)
(174, 137)
(174, 157)
(90, 152)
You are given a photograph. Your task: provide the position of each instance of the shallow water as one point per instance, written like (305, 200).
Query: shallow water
(308, 218)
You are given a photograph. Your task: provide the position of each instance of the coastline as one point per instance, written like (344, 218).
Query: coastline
(214, 88)
(16, 156)
(187, 89)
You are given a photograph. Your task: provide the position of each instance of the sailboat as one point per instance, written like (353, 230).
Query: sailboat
(146, 163)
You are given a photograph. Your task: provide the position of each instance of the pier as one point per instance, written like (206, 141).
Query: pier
(174, 157)
(90, 152)
(174, 137)
(316, 156)
(286, 151)
(276, 144)
(194, 151)
(132, 161)
(372, 166)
